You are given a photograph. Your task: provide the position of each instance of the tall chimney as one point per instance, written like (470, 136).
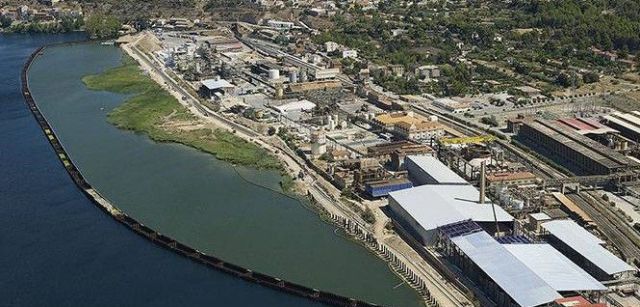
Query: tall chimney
(482, 182)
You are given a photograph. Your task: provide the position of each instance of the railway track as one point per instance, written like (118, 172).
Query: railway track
(614, 229)
(532, 162)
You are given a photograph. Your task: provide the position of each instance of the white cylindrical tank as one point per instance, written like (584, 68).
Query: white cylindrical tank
(293, 76)
(518, 204)
(331, 124)
(274, 74)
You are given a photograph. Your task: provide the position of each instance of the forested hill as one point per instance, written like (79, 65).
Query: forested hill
(608, 24)
(127, 10)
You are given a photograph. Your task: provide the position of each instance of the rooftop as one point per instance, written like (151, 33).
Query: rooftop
(540, 216)
(387, 182)
(585, 125)
(630, 121)
(507, 176)
(437, 205)
(524, 286)
(587, 245)
(304, 104)
(554, 268)
(420, 126)
(213, 84)
(581, 143)
(436, 169)
(396, 118)
(577, 301)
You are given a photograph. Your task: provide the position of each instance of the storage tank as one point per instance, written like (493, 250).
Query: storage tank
(274, 74)
(517, 204)
(293, 76)
(331, 124)
(318, 143)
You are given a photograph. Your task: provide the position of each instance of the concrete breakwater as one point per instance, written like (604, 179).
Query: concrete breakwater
(161, 239)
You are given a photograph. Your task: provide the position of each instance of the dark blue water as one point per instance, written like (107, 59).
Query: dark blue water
(58, 249)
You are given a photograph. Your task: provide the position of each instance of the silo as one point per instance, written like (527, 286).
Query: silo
(274, 74)
(293, 76)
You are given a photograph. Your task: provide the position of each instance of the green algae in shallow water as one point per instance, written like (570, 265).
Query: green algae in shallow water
(151, 105)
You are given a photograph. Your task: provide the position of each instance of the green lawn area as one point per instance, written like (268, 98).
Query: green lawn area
(149, 107)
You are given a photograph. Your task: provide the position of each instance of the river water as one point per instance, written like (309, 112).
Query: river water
(58, 249)
(181, 192)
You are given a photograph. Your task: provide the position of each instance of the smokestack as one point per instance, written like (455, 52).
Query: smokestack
(482, 182)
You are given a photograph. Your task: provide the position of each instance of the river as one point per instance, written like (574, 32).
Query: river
(58, 249)
(195, 198)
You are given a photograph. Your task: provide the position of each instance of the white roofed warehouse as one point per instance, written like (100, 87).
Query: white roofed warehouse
(421, 210)
(217, 87)
(584, 249)
(494, 270)
(429, 170)
(511, 270)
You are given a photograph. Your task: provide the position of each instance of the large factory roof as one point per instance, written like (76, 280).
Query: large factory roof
(586, 125)
(213, 84)
(587, 245)
(554, 268)
(581, 143)
(437, 205)
(299, 105)
(630, 121)
(523, 285)
(436, 169)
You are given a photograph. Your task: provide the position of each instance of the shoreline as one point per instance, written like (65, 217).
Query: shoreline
(324, 198)
(153, 111)
(158, 238)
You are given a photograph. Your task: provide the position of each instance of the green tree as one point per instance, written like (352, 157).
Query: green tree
(5, 21)
(590, 77)
(102, 26)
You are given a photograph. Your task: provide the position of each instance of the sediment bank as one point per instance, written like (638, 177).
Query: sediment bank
(160, 239)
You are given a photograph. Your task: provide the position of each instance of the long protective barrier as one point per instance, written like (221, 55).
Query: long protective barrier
(163, 240)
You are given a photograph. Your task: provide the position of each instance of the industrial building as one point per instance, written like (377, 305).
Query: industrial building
(490, 266)
(384, 187)
(513, 274)
(421, 210)
(452, 106)
(429, 170)
(576, 301)
(554, 268)
(511, 178)
(294, 106)
(627, 123)
(584, 249)
(586, 126)
(576, 152)
(215, 87)
(408, 126)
